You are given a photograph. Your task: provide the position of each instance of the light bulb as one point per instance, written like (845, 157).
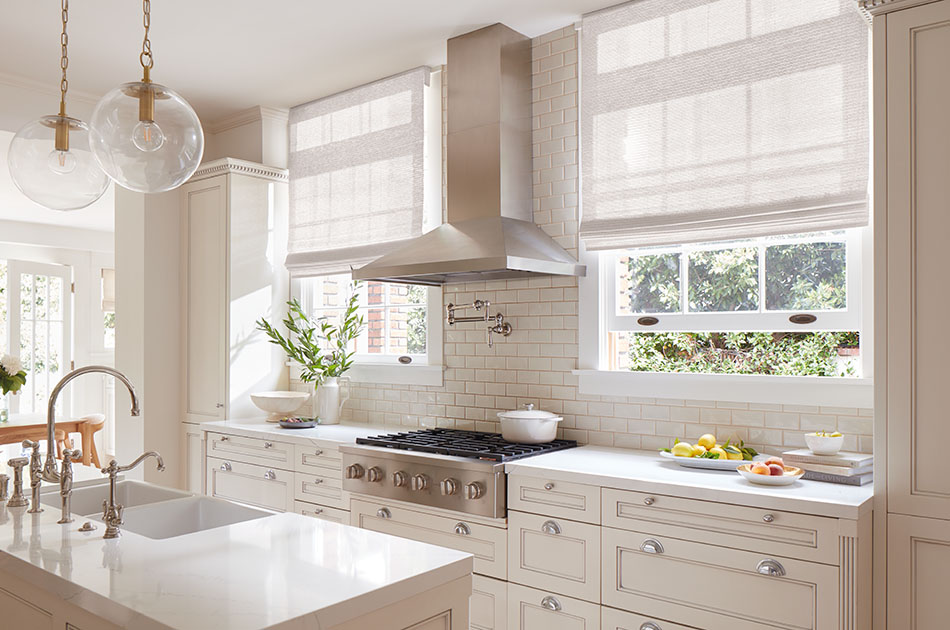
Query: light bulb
(61, 162)
(147, 136)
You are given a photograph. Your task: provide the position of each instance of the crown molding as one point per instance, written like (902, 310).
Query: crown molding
(247, 116)
(239, 167)
(47, 89)
(872, 8)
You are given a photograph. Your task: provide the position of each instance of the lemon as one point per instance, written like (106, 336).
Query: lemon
(682, 449)
(717, 450)
(699, 450)
(707, 441)
(732, 452)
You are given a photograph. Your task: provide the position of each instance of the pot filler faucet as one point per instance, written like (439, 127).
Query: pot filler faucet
(50, 473)
(496, 323)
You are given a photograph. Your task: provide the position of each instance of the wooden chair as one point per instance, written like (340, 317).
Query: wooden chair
(88, 426)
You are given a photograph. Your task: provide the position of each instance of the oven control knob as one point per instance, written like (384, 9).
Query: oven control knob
(354, 471)
(399, 479)
(419, 482)
(474, 490)
(449, 486)
(374, 474)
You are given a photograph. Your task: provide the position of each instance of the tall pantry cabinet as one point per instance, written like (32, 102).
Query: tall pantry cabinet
(912, 241)
(233, 244)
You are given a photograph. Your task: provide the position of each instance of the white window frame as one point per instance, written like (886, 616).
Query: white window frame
(597, 316)
(373, 368)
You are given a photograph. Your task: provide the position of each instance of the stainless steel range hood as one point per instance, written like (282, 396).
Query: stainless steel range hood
(490, 233)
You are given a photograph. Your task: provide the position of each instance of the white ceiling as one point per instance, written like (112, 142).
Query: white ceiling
(227, 55)
(14, 206)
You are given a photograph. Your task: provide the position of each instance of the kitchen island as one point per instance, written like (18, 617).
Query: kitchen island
(281, 572)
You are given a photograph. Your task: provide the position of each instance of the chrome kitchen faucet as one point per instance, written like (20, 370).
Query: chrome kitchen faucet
(112, 511)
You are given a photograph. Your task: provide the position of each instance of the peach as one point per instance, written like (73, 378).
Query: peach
(776, 470)
(760, 469)
(774, 460)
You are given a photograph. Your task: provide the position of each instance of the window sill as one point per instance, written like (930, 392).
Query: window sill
(783, 390)
(391, 374)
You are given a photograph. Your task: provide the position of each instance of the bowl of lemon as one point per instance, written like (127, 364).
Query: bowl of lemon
(708, 453)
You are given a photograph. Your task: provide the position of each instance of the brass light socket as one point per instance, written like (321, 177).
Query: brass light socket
(147, 104)
(61, 130)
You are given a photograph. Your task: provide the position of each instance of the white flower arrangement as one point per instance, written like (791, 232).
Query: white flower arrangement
(12, 374)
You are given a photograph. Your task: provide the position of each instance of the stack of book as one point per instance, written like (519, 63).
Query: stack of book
(854, 469)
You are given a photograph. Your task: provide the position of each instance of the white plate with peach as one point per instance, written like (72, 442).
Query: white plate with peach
(771, 472)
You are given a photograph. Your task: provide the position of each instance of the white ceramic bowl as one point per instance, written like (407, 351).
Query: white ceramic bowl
(792, 474)
(824, 445)
(528, 425)
(279, 404)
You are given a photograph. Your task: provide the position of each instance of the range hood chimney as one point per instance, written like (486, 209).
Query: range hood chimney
(490, 233)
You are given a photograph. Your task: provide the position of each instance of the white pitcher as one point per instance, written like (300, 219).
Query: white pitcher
(330, 398)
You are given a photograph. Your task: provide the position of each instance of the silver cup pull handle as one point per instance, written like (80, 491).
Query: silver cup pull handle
(770, 567)
(384, 513)
(270, 474)
(550, 602)
(226, 466)
(649, 625)
(651, 545)
(268, 445)
(463, 529)
(551, 527)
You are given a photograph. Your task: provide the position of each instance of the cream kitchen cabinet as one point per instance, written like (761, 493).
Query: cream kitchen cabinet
(233, 237)
(259, 486)
(193, 450)
(912, 230)
(535, 609)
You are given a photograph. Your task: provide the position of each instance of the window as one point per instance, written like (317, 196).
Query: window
(402, 321)
(773, 305)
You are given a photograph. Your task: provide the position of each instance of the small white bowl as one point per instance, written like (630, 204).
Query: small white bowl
(792, 474)
(824, 445)
(279, 404)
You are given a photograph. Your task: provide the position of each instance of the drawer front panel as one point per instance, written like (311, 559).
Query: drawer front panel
(322, 512)
(533, 609)
(488, 544)
(787, 534)
(488, 609)
(574, 501)
(554, 554)
(612, 619)
(322, 489)
(715, 588)
(320, 460)
(251, 450)
(269, 488)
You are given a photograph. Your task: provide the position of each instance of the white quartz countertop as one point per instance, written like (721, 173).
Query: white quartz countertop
(343, 433)
(644, 471)
(284, 571)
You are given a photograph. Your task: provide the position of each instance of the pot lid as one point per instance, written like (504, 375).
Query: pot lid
(528, 412)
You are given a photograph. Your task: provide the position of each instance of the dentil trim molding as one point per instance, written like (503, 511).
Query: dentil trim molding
(871, 8)
(239, 167)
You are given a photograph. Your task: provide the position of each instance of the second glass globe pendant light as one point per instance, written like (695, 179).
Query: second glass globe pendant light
(145, 136)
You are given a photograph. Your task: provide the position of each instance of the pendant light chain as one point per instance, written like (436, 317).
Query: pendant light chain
(64, 59)
(145, 58)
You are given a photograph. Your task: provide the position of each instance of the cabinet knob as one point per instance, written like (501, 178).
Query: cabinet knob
(354, 471)
(317, 453)
(649, 501)
(768, 518)
(270, 474)
(225, 438)
(400, 479)
(268, 445)
(317, 480)
(551, 527)
(550, 602)
(226, 466)
(651, 545)
(649, 625)
(220, 405)
(317, 511)
(770, 567)
(549, 486)
(384, 513)
(462, 529)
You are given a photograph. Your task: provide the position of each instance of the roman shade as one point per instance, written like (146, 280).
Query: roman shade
(356, 174)
(707, 120)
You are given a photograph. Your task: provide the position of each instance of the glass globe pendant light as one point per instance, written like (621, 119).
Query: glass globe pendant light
(145, 136)
(50, 160)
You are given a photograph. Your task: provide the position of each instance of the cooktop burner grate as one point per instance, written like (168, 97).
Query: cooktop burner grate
(473, 444)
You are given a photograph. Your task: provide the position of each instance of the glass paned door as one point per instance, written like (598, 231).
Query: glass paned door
(39, 301)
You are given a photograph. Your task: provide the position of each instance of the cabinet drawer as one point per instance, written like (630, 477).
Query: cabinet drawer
(773, 532)
(322, 460)
(322, 512)
(715, 588)
(612, 619)
(533, 609)
(554, 498)
(269, 488)
(488, 608)
(323, 489)
(251, 450)
(487, 544)
(554, 554)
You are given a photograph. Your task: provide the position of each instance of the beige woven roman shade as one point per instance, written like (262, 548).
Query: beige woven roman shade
(708, 120)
